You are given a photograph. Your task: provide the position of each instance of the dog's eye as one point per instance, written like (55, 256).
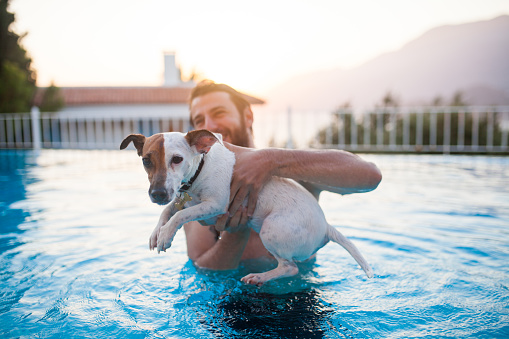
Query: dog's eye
(146, 162)
(177, 159)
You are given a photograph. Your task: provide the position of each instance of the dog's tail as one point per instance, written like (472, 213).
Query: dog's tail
(334, 235)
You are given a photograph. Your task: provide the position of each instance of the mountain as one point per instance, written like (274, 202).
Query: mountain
(472, 58)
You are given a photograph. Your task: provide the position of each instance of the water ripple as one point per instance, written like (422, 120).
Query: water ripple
(74, 260)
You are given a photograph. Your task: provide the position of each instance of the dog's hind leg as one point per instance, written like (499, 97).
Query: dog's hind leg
(280, 240)
(285, 268)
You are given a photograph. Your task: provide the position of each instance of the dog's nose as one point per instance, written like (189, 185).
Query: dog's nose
(158, 195)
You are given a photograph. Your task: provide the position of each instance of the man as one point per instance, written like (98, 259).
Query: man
(221, 109)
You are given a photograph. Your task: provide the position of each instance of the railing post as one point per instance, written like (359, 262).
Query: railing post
(367, 130)
(353, 131)
(504, 119)
(475, 130)
(433, 129)
(289, 141)
(26, 122)
(419, 140)
(461, 129)
(490, 117)
(36, 128)
(447, 132)
(406, 130)
(379, 129)
(18, 133)
(341, 131)
(393, 118)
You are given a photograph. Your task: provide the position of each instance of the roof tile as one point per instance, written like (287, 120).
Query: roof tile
(83, 96)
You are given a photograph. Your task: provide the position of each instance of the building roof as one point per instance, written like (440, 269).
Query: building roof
(84, 96)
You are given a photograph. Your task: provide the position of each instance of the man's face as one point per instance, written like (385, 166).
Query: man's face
(216, 112)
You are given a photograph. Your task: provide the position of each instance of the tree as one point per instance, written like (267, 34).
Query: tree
(340, 129)
(389, 100)
(52, 100)
(457, 99)
(17, 78)
(437, 101)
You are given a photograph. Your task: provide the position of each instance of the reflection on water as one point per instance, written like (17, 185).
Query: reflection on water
(287, 308)
(15, 176)
(265, 315)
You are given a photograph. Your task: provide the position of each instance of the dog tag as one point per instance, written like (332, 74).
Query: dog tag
(181, 200)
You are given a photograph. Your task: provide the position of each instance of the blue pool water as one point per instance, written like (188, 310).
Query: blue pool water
(74, 257)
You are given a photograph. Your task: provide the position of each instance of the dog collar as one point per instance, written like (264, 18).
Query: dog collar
(186, 186)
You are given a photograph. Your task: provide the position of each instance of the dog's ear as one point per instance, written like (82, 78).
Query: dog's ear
(219, 138)
(138, 141)
(201, 139)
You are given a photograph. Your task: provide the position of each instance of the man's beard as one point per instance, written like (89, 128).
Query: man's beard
(240, 136)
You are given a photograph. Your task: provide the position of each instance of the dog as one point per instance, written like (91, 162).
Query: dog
(194, 171)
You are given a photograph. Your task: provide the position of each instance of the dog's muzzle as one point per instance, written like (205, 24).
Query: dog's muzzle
(159, 196)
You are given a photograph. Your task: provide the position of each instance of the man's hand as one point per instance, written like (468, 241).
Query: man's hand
(233, 224)
(253, 168)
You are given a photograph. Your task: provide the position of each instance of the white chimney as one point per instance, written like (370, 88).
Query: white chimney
(171, 72)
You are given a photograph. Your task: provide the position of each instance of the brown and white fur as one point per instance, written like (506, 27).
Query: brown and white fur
(287, 217)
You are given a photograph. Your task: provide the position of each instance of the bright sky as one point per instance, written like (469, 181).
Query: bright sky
(250, 45)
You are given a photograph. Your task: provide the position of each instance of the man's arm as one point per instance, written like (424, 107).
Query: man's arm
(332, 170)
(336, 171)
(206, 250)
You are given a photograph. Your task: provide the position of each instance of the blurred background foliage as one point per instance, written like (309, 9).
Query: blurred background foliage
(17, 77)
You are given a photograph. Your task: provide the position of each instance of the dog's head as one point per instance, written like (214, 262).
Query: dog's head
(169, 158)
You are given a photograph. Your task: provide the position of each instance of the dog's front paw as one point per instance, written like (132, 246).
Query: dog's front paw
(164, 238)
(152, 242)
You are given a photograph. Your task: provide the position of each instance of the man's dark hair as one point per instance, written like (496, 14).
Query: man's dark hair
(209, 86)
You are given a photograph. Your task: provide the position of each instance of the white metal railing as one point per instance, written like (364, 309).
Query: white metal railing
(48, 130)
(418, 129)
